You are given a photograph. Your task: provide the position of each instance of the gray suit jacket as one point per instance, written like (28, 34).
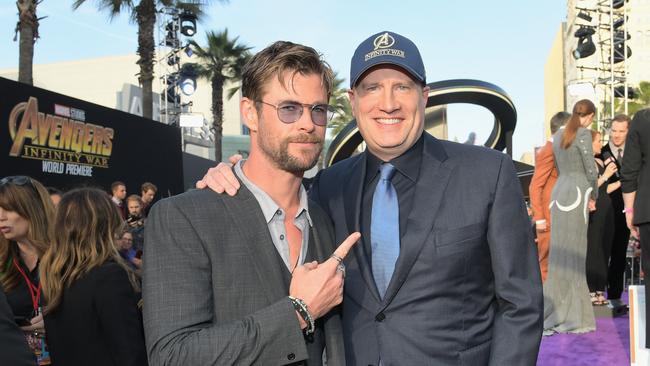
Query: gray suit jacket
(215, 289)
(466, 288)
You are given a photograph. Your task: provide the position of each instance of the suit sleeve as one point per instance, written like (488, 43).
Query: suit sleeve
(181, 327)
(583, 141)
(116, 305)
(543, 168)
(518, 322)
(632, 160)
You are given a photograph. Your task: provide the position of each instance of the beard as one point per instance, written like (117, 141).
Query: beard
(280, 156)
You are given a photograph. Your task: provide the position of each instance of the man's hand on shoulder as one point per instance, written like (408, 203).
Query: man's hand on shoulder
(221, 178)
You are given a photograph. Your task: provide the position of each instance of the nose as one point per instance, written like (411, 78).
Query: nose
(387, 102)
(305, 122)
(3, 215)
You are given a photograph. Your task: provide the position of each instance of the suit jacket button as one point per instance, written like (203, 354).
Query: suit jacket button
(380, 317)
(291, 356)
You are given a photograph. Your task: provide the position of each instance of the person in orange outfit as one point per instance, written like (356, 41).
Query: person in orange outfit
(541, 186)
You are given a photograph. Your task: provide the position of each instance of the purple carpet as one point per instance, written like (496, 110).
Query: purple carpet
(608, 345)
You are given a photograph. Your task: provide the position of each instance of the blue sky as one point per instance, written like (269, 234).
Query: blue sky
(502, 42)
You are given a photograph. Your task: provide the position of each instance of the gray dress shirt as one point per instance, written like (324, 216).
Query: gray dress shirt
(274, 217)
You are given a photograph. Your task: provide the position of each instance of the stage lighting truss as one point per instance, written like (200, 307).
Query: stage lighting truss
(178, 79)
(606, 32)
(170, 82)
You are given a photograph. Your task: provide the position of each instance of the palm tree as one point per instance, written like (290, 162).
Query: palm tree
(220, 61)
(27, 26)
(144, 14)
(341, 105)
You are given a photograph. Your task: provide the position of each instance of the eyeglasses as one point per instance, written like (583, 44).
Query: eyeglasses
(19, 180)
(290, 112)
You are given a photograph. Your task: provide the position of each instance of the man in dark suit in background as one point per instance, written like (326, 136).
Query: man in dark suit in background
(224, 281)
(446, 272)
(613, 153)
(635, 182)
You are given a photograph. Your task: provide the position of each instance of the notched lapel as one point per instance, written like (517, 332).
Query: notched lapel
(352, 202)
(255, 234)
(430, 188)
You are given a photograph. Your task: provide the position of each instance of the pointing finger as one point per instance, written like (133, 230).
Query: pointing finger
(343, 249)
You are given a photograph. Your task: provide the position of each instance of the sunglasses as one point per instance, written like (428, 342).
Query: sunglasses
(19, 180)
(290, 112)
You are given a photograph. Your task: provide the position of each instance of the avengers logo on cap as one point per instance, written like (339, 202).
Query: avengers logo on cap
(384, 41)
(382, 44)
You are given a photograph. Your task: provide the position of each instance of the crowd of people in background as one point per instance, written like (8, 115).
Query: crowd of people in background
(71, 263)
(70, 269)
(580, 219)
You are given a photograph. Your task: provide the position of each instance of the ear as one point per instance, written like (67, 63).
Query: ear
(352, 97)
(425, 94)
(249, 113)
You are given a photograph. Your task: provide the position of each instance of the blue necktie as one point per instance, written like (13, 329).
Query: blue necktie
(384, 229)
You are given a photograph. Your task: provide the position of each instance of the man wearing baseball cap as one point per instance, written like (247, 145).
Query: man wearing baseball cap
(446, 270)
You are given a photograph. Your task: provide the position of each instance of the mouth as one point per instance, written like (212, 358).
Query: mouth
(5, 229)
(388, 121)
(306, 139)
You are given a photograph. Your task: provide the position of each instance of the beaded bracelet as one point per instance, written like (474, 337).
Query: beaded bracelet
(301, 308)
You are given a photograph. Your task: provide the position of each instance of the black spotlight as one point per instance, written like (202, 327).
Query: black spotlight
(620, 47)
(617, 4)
(619, 52)
(620, 37)
(584, 15)
(187, 80)
(188, 23)
(586, 46)
(173, 60)
(619, 23)
(619, 92)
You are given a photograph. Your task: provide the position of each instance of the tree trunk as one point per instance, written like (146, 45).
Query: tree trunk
(217, 115)
(146, 18)
(28, 28)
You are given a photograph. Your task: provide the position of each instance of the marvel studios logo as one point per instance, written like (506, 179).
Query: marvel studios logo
(73, 113)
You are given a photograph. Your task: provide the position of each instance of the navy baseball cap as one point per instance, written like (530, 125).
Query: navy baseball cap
(387, 48)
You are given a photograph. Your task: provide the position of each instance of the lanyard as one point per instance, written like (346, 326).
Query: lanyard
(34, 291)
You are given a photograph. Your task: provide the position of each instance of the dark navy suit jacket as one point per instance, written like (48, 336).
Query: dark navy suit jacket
(466, 288)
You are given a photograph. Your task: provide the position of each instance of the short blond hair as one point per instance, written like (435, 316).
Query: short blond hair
(277, 60)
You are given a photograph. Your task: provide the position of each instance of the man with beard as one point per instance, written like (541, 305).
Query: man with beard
(254, 278)
(446, 272)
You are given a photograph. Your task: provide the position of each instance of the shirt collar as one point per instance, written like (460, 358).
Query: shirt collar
(267, 204)
(408, 164)
(615, 149)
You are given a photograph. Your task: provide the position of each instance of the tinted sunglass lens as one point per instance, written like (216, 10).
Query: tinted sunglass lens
(319, 115)
(289, 112)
